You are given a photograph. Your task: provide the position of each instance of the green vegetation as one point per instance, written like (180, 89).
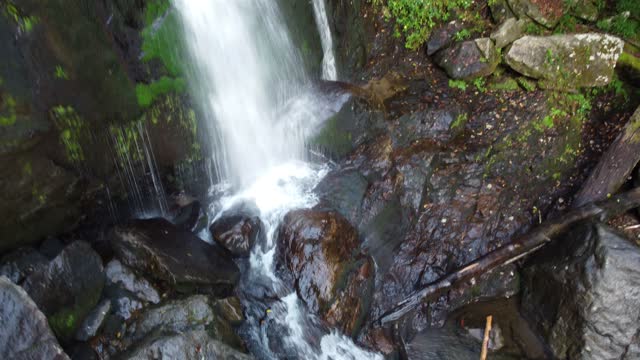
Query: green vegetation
(416, 18)
(480, 84)
(60, 73)
(8, 115)
(463, 34)
(626, 23)
(508, 84)
(459, 122)
(458, 84)
(71, 127)
(26, 23)
(147, 94)
(567, 24)
(527, 84)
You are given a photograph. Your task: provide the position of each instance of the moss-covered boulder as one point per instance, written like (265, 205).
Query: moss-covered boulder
(566, 61)
(68, 288)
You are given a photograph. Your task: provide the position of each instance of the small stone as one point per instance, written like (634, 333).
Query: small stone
(92, 323)
(118, 274)
(510, 31)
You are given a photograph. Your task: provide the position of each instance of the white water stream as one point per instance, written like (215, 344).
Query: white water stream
(329, 69)
(261, 108)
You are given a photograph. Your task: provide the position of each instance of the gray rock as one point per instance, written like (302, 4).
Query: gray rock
(585, 9)
(496, 340)
(585, 294)
(190, 345)
(343, 191)
(68, 288)
(566, 61)
(118, 274)
(500, 10)
(508, 32)
(24, 331)
(93, 321)
(547, 13)
(176, 256)
(20, 263)
(176, 316)
(125, 306)
(469, 59)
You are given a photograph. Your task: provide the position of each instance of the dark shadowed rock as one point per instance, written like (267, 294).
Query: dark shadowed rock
(188, 216)
(68, 288)
(238, 233)
(469, 59)
(190, 345)
(500, 10)
(443, 36)
(342, 191)
(584, 294)
(20, 263)
(93, 321)
(321, 252)
(173, 255)
(566, 61)
(545, 12)
(24, 331)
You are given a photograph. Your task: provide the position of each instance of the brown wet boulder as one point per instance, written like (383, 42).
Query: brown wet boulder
(319, 251)
(170, 254)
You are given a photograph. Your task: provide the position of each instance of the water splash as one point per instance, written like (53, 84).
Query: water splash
(329, 69)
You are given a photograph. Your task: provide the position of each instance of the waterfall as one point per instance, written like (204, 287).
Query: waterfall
(252, 84)
(329, 70)
(260, 107)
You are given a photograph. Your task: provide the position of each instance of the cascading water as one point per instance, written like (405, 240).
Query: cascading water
(329, 69)
(261, 107)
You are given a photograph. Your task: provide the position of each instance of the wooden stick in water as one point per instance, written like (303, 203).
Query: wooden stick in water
(485, 341)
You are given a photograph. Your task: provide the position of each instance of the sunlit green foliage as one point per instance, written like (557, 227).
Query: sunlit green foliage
(148, 93)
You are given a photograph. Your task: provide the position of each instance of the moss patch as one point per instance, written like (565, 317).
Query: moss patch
(147, 94)
(71, 127)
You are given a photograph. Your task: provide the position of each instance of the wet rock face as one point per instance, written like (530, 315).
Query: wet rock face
(238, 233)
(321, 252)
(120, 275)
(21, 263)
(24, 331)
(566, 61)
(469, 59)
(584, 293)
(175, 256)
(68, 288)
(195, 344)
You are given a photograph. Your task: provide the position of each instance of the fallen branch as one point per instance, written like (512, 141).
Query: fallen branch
(485, 340)
(515, 250)
(615, 166)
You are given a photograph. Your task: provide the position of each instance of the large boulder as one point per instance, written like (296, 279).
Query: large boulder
(68, 288)
(24, 331)
(175, 256)
(469, 59)
(545, 12)
(566, 61)
(319, 252)
(584, 294)
(197, 344)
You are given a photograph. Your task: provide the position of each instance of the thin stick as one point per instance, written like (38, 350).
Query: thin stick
(485, 341)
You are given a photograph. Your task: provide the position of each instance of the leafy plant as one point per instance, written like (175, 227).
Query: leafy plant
(458, 84)
(416, 18)
(480, 83)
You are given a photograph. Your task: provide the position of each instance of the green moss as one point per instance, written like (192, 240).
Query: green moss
(480, 84)
(508, 84)
(26, 23)
(163, 40)
(622, 24)
(60, 73)
(567, 24)
(71, 128)
(66, 321)
(146, 94)
(458, 84)
(527, 84)
(459, 122)
(8, 114)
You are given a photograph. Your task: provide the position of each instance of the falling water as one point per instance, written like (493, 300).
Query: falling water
(260, 107)
(329, 70)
